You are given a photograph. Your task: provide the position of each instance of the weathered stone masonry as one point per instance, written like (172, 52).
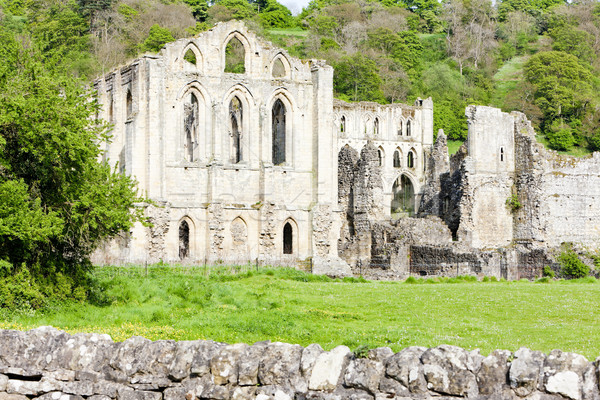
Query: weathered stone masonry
(265, 165)
(48, 364)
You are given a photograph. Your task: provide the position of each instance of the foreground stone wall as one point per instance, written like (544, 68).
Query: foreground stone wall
(49, 364)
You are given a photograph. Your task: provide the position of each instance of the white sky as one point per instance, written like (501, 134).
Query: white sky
(295, 6)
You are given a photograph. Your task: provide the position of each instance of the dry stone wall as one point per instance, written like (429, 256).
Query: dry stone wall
(49, 364)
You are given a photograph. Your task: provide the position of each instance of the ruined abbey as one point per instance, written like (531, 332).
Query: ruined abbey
(247, 157)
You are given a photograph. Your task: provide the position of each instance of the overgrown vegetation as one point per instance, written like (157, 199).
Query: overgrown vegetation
(244, 305)
(57, 201)
(572, 266)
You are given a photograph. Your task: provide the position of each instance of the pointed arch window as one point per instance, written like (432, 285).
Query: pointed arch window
(288, 239)
(184, 240)
(191, 112)
(400, 128)
(278, 70)
(343, 124)
(403, 200)
(410, 160)
(190, 57)
(501, 153)
(376, 127)
(235, 56)
(408, 127)
(380, 157)
(236, 115)
(397, 162)
(278, 132)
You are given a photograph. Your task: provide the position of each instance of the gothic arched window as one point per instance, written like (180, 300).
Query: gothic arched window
(235, 120)
(190, 123)
(278, 132)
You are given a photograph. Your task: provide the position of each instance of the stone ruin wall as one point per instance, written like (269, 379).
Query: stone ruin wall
(464, 225)
(560, 194)
(48, 364)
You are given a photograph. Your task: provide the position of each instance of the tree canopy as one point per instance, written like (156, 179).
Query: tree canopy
(58, 202)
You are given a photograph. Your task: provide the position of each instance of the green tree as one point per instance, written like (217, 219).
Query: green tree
(199, 9)
(356, 78)
(62, 34)
(532, 7)
(157, 38)
(57, 202)
(563, 85)
(573, 41)
(275, 15)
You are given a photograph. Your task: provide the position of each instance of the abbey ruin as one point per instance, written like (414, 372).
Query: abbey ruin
(247, 156)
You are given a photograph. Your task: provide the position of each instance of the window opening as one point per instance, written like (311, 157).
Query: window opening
(410, 160)
(278, 132)
(343, 124)
(235, 56)
(408, 127)
(380, 157)
(278, 69)
(397, 163)
(190, 57)
(129, 104)
(184, 240)
(191, 127)
(288, 236)
(400, 128)
(404, 196)
(235, 117)
(376, 127)
(501, 153)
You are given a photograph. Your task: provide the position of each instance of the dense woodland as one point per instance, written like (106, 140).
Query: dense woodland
(57, 201)
(536, 56)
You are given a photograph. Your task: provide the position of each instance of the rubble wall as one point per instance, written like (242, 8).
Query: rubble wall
(46, 363)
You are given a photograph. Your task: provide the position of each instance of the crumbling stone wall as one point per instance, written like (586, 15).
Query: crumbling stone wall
(560, 195)
(159, 218)
(438, 169)
(360, 193)
(49, 364)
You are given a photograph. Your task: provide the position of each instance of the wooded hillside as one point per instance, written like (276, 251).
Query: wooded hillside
(538, 56)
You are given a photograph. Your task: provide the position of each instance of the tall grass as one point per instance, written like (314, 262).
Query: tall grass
(291, 306)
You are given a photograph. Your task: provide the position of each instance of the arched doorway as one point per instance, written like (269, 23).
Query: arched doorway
(288, 239)
(403, 201)
(184, 240)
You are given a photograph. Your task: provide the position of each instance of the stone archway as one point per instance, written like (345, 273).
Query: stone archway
(403, 197)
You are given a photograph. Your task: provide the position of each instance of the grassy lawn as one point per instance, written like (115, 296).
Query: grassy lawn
(289, 32)
(290, 306)
(507, 78)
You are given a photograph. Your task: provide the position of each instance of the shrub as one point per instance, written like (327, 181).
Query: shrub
(572, 266)
(411, 280)
(548, 272)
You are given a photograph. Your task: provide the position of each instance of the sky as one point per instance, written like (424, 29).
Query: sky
(295, 6)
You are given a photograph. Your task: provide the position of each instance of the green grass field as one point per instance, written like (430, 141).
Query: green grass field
(299, 32)
(507, 78)
(291, 306)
